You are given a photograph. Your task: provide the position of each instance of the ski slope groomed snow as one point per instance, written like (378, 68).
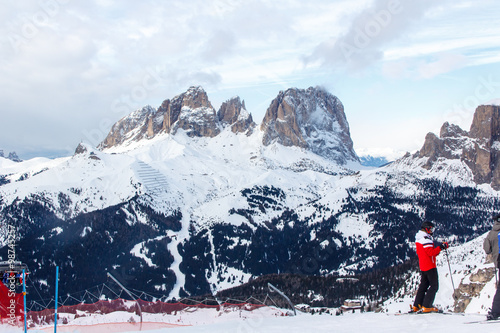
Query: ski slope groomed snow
(263, 320)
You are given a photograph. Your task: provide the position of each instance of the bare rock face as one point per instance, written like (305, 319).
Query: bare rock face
(312, 119)
(486, 124)
(12, 156)
(471, 287)
(233, 113)
(484, 158)
(451, 131)
(479, 148)
(190, 111)
(448, 145)
(80, 149)
(132, 127)
(433, 148)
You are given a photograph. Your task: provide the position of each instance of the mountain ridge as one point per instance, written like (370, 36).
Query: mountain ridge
(209, 212)
(314, 120)
(12, 156)
(478, 149)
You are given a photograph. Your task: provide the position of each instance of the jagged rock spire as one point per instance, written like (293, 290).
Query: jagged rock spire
(313, 119)
(479, 148)
(190, 111)
(233, 113)
(12, 156)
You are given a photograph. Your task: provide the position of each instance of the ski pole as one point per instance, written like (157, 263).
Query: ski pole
(451, 275)
(496, 277)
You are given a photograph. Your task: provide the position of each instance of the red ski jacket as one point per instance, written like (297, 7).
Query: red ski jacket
(426, 251)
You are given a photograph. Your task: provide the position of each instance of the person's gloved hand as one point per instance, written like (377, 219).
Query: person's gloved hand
(444, 246)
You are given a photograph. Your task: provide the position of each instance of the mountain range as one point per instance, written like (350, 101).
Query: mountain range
(185, 200)
(373, 161)
(12, 156)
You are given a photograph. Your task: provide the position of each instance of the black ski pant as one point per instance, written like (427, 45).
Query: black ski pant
(495, 307)
(429, 285)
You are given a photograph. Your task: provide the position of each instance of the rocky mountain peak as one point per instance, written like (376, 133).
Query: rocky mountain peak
(451, 131)
(12, 156)
(133, 127)
(196, 115)
(190, 111)
(80, 149)
(233, 113)
(195, 97)
(479, 148)
(313, 119)
(486, 123)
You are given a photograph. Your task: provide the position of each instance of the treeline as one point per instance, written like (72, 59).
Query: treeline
(88, 246)
(288, 244)
(325, 291)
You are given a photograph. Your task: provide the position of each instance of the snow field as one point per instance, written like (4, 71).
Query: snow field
(271, 320)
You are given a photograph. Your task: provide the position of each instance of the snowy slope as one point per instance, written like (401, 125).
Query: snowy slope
(270, 320)
(200, 177)
(368, 322)
(198, 168)
(90, 184)
(245, 209)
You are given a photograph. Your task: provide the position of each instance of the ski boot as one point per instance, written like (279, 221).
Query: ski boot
(432, 309)
(492, 316)
(415, 309)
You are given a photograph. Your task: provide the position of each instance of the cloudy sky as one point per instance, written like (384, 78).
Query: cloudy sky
(69, 69)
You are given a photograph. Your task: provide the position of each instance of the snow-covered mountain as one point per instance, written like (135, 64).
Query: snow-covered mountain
(478, 149)
(372, 161)
(312, 119)
(191, 112)
(12, 156)
(183, 200)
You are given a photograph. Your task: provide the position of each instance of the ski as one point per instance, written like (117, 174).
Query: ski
(405, 313)
(484, 321)
(420, 311)
(441, 312)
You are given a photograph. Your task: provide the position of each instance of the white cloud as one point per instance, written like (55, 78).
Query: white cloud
(218, 46)
(443, 64)
(396, 69)
(406, 134)
(424, 68)
(370, 32)
(68, 65)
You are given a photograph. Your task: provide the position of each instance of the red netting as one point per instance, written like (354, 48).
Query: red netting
(11, 304)
(104, 307)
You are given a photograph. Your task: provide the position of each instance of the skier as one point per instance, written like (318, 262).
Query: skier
(490, 246)
(427, 251)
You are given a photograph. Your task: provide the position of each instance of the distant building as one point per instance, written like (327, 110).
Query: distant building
(352, 305)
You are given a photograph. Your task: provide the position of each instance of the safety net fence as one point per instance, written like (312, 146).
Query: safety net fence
(105, 299)
(103, 307)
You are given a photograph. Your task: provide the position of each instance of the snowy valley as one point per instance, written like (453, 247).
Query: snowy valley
(182, 201)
